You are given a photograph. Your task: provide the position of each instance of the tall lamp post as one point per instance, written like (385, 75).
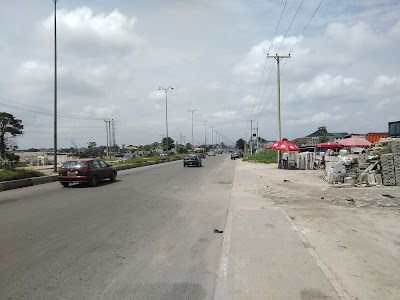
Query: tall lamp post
(192, 111)
(166, 109)
(55, 85)
(212, 136)
(205, 134)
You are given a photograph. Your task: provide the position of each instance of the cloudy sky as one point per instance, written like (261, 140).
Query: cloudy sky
(344, 70)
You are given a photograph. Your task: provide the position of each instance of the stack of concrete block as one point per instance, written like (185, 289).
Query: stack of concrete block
(388, 172)
(396, 158)
(337, 173)
(305, 160)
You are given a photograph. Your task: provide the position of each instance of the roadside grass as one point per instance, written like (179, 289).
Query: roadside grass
(15, 174)
(141, 159)
(266, 157)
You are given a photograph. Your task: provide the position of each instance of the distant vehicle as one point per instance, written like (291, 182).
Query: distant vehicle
(89, 171)
(164, 153)
(126, 157)
(235, 155)
(200, 151)
(211, 153)
(192, 160)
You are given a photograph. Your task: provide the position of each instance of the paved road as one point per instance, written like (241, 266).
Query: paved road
(147, 236)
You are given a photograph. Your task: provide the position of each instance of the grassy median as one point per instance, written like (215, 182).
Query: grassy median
(15, 174)
(141, 159)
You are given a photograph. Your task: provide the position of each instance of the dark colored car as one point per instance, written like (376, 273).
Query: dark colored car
(235, 155)
(192, 160)
(89, 170)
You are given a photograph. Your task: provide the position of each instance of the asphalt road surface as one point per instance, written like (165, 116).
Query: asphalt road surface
(149, 235)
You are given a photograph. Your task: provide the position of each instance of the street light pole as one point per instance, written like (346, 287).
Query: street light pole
(212, 136)
(166, 109)
(205, 134)
(192, 111)
(55, 85)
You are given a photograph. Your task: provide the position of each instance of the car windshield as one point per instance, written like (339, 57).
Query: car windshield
(73, 164)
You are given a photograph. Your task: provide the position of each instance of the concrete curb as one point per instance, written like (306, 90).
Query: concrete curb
(321, 264)
(16, 184)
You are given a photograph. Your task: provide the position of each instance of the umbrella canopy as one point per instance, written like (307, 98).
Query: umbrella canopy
(284, 146)
(329, 145)
(355, 142)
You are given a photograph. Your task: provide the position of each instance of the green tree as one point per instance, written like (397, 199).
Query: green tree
(324, 138)
(10, 127)
(170, 144)
(240, 144)
(91, 145)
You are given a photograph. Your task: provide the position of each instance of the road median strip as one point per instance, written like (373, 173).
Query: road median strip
(20, 183)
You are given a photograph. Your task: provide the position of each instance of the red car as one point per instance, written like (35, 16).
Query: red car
(89, 170)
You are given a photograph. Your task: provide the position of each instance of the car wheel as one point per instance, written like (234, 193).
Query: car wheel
(93, 181)
(65, 184)
(113, 176)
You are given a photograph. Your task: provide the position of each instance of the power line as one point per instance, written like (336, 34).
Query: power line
(291, 51)
(44, 111)
(265, 64)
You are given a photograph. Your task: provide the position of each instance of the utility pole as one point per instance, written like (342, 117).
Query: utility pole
(278, 80)
(113, 133)
(212, 136)
(245, 145)
(109, 133)
(205, 135)
(55, 85)
(251, 136)
(166, 108)
(192, 111)
(258, 149)
(107, 137)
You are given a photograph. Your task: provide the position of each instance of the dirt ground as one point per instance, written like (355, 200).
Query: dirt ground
(355, 230)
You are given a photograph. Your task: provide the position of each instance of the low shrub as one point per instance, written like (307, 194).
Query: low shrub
(267, 157)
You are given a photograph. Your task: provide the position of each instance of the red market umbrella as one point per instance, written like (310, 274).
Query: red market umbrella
(284, 146)
(355, 142)
(329, 145)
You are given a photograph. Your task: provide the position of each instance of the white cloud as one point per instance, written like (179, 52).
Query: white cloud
(100, 111)
(157, 94)
(226, 115)
(386, 82)
(325, 85)
(82, 28)
(320, 118)
(113, 56)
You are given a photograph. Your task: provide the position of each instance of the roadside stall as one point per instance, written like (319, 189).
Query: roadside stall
(286, 160)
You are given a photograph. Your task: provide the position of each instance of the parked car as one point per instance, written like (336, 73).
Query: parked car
(164, 153)
(192, 160)
(89, 170)
(235, 155)
(127, 157)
